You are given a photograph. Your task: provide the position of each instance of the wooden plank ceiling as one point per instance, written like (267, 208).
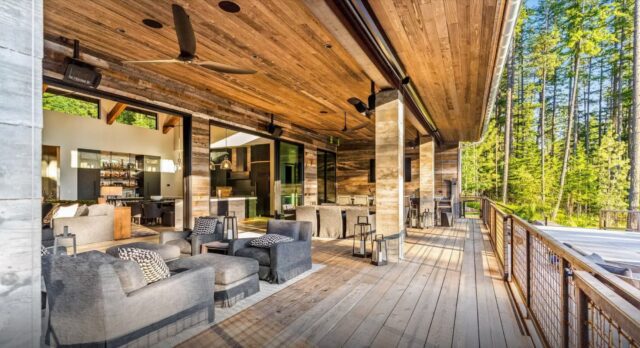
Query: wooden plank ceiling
(298, 76)
(448, 49)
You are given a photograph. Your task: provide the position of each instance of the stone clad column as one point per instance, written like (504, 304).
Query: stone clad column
(389, 147)
(198, 183)
(427, 174)
(21, 47)
(310, 175)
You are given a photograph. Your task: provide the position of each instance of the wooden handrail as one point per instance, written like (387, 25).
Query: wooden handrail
(617, 308)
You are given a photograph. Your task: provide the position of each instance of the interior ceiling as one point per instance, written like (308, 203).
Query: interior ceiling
(298, 77)
(448, 49)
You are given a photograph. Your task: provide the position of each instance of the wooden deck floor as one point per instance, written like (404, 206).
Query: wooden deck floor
(447, 292)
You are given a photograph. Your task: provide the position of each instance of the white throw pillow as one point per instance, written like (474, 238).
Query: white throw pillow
(66, 212)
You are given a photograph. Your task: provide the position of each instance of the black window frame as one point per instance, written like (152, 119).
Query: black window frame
(141, 111)
(75, 95)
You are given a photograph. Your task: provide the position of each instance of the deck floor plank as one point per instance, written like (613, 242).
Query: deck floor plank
(447, 292)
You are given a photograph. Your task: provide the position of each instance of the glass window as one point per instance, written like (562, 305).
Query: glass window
(71, 104)
(140, 118)
(291, 175)
(326, 177)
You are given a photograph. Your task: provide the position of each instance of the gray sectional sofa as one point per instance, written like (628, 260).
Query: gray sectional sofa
(98, 300)
(93, 228)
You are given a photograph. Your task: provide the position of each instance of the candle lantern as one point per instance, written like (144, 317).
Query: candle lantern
(379, 255)
(362, 232)
(230, 226)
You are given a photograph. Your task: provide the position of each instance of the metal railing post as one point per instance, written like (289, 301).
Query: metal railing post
(528, 249)
(566, 273)
(582, 322)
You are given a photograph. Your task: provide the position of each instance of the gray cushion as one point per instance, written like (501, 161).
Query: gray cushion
(229, 269)
(183, 244)
(129, 273)
(167, 252)
(204, 225)
(260, 254)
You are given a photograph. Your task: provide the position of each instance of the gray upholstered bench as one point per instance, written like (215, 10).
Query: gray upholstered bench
(167, 252)
(236, 277)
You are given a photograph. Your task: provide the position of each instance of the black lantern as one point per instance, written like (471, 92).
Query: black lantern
(362, 231)
(379, 255)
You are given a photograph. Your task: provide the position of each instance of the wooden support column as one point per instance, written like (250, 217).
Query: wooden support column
(427, 174)
(389, 147)
(198, 183)
(310, 175)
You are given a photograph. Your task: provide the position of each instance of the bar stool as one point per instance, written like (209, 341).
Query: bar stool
(230, 221)
(364, 230)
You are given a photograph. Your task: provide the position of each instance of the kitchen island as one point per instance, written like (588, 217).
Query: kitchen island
(244, 207)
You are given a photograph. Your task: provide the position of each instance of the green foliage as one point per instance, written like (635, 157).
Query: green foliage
(139, 119)
(69, 105)
(548, 37)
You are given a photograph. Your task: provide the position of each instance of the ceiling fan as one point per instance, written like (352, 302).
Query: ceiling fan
(187, 43)
(347, 129)
(367, 109)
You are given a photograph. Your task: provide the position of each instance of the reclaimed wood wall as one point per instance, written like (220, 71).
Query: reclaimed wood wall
(352, 174)
(310, 175)
(446, 162)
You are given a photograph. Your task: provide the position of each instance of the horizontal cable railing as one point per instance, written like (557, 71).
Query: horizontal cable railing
(572, 301)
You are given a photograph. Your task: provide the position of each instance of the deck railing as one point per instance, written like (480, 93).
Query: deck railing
(620, 220)
(571, 301)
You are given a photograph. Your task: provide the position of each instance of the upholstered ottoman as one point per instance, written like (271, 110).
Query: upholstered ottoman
(236, 277)
(167, 252)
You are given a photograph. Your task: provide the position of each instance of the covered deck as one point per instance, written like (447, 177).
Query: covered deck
(448, 291)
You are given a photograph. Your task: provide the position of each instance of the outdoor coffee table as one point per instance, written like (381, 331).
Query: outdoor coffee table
(217, 247)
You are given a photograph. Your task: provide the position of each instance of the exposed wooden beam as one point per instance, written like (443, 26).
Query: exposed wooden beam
(170, 123)
(44, 87)
(115, 112)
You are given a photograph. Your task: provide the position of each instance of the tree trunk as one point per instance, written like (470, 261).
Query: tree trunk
(507, 128)
(542, 132)
(587, 111)
(553, 113)
(634, 133)
(600, 101)
(618, 119)
(570, 116)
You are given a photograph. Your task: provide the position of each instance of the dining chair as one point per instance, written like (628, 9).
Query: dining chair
(151, 212)
(330, 222)
(308, 213)
(352, 219)
(361, 200)
(344, 200)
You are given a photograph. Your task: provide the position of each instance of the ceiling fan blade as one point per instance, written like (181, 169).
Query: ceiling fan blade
(184, 31)
(152, 61)
(223, 68)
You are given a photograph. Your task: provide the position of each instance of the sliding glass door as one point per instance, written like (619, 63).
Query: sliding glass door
(326, 177)
(291, 174)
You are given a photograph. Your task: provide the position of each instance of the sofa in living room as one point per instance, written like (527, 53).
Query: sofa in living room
(90, 223)
(96, 299)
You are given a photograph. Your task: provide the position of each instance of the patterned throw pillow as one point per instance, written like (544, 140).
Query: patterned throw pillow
(269, 240)
(204, 225)
(151, 263)
(43, 251)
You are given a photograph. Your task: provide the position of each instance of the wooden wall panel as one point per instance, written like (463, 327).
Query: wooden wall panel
(353, 169)
(446, 163)
(199, 186)
(413, 185)
(310, 175)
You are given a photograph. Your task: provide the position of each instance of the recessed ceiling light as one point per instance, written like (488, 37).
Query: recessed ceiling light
(328, 45)
(152, 23)
(120, 30)
(229, 6)
(324, 112)
(254, 56)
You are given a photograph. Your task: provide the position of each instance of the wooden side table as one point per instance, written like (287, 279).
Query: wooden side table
(122, 223)
(217, 247)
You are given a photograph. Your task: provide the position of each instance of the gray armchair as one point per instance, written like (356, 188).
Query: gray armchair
(98, 300)
(191, 244)
(282, 261)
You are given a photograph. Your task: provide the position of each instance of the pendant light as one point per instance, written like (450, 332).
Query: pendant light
(226, 164)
